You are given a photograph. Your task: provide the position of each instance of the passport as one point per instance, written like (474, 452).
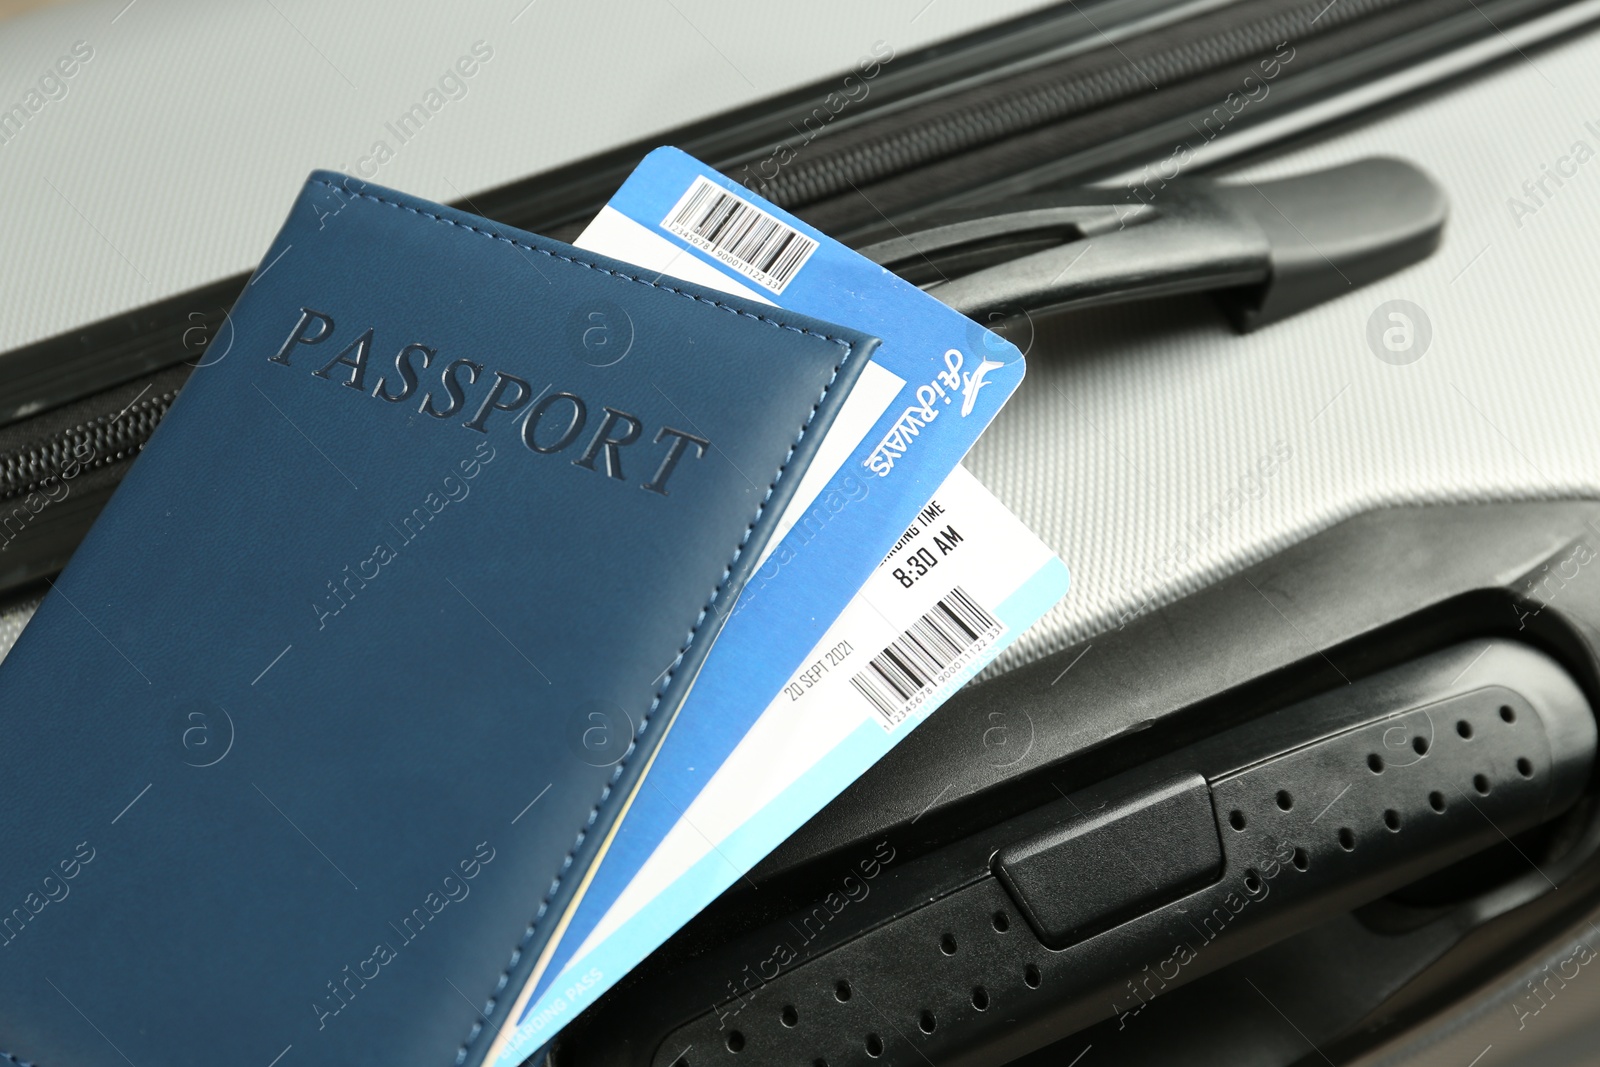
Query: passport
(334, 707)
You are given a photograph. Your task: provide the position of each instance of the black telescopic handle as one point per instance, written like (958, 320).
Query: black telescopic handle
(1266, 249)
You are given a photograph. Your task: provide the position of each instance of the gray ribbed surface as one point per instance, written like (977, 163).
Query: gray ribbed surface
(1131, 428)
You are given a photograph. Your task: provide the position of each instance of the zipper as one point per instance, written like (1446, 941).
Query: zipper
(99, 442)
(887, 145)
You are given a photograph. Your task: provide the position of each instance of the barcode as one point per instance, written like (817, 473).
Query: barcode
(740, 234)
(899, 678)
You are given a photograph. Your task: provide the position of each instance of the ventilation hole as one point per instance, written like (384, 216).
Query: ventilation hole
(735, 1041)
(1375, 763)
(788, 1016)
(841, 991)
(1525, 766)
(1480, 782)
(1436, 800)
(1464, 728)
(980, 998)
(681, 1062)
(1285, 801)
(947, 944)
(1252, 881)
(1301, 860)
(1347, 838)
(1391, 819)
(1507, 714)
(927, 1022)
(874, 1046)
(1031, 976)
(1001, 922)
(1420, 745)
(1236, 819)
(819, 1062)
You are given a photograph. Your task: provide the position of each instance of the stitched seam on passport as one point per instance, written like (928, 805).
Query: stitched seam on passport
(840, 341)
(644, 724)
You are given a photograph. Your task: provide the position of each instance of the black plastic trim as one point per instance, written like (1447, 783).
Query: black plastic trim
(1323, 805)
(1369, 594)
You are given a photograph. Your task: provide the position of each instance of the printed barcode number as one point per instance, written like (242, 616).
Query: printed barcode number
(899, 678)
(740, 234)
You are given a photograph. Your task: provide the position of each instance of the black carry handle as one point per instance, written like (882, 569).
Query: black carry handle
(1266, 249)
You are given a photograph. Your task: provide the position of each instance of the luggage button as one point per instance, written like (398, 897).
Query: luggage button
(1114, 862)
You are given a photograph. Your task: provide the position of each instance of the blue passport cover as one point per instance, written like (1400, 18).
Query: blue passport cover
(330, 712)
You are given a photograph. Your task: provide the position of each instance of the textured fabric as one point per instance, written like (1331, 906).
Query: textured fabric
(1134, 443)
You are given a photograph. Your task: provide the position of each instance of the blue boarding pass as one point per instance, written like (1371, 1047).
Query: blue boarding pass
(937, 381)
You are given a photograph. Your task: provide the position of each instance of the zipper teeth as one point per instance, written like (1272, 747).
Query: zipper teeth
(890, 146)
(91, 445)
